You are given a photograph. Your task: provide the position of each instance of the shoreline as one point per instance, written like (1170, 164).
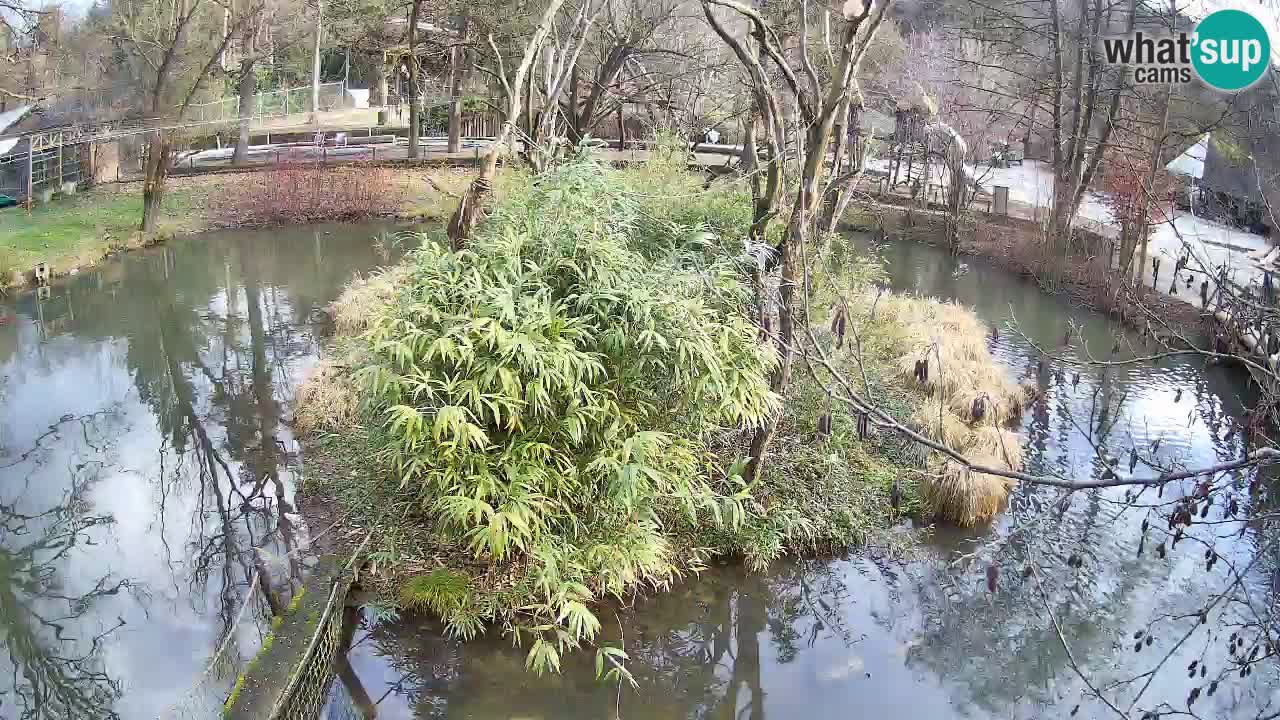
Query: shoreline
(999, 241)
(197, 204)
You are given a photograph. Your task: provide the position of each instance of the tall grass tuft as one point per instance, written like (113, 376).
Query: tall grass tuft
(969, 403)
(327, 400)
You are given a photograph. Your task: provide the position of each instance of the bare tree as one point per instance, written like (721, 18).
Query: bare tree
(627, 32)
(458, 71)
(470, 208)
(547, 84)
(415, 91)
(315, 62)
(819, 101)
(179, 46)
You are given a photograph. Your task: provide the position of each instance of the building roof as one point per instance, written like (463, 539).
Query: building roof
(1191, 161)
(10, 118)
(1244, 161)
(1229, 167)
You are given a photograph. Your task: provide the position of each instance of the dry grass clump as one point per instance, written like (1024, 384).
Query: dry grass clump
(327, 400)
(967, 497)
(954, 343)
(363, 297)
(969, 402)
(963, 496)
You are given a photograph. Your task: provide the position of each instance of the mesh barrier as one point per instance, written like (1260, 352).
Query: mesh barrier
(341, 705)
(275, 103)
(206, 697)
(308, 689)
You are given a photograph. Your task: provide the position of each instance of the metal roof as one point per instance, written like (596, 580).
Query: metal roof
(11, 117)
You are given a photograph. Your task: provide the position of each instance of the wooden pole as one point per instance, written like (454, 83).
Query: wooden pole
(622, 128)
(315, 62)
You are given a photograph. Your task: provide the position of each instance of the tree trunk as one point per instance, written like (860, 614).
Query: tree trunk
(462, 224)
(384, 87)
(315, 62)
(156, 171)
(457, 58)
(248, 84)
(791, 280)
(465, 218)
(1149, 198)
(414, 130)
(572, 109)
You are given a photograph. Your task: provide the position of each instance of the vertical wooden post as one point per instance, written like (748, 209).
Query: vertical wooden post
(622, 128)
(60, 168)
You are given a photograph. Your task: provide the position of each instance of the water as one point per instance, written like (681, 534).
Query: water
(870, 636)
(147, 474)
(147, 471)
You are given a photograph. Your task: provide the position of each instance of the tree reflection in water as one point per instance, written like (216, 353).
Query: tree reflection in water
(701, 650)
(54, 671)
(188, 353)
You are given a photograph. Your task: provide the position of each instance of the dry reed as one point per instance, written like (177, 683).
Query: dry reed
(364, 297)
(969, 402)
(327, 400)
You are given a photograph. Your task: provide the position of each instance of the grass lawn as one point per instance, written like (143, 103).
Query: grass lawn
(75, 231)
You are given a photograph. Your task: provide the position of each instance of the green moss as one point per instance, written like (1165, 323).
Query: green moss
(267, 643)
(234, 696)
(230, 703)
(1233, 151)
(297, 600)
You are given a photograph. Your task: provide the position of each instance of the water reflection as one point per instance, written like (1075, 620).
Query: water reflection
(926, 638)
(146, 472)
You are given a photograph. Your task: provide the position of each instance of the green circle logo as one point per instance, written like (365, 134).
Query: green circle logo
(1231, 50)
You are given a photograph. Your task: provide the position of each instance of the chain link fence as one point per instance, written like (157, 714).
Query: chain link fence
(287, 101)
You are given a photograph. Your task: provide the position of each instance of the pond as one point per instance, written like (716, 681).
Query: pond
(146, 469)
(147, 476)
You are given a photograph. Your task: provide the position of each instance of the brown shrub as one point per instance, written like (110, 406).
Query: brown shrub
(306, 193)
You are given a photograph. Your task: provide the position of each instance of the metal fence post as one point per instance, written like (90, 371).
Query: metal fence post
(30, 170)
